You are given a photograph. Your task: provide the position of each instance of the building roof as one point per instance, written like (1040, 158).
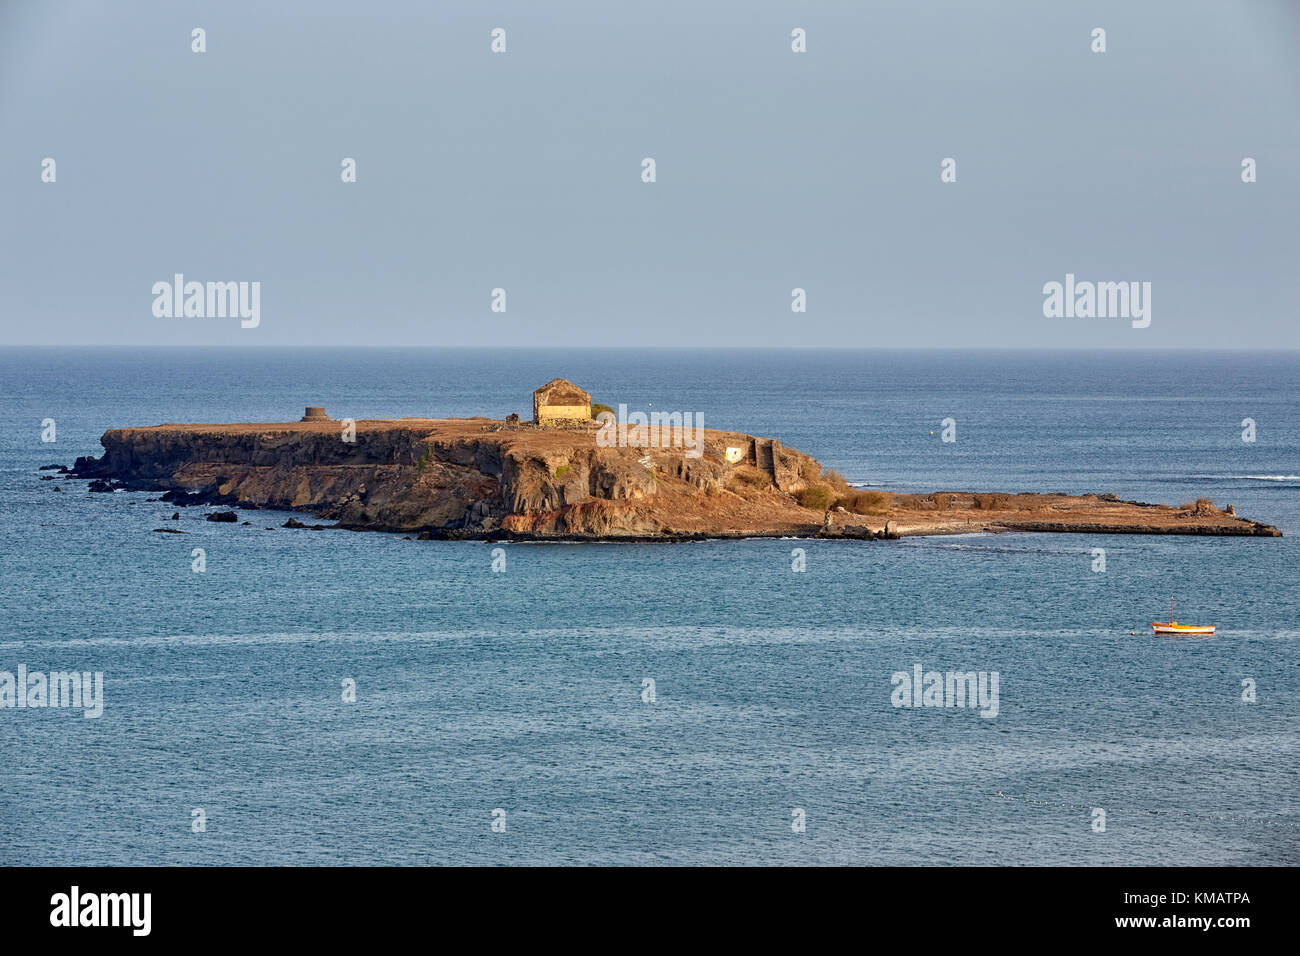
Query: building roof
(559, 391)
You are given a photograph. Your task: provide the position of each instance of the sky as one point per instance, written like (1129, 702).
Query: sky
(774, 170)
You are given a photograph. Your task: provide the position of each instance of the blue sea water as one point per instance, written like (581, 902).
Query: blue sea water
(522, 690)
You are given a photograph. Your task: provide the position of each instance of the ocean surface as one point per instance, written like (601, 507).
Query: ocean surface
(522, 691)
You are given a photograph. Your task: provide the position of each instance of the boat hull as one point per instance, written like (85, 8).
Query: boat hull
(1176, 628)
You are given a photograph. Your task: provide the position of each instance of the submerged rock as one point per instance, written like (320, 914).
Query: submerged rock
(295, 523)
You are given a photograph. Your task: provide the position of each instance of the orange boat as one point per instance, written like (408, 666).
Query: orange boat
(1173, 627)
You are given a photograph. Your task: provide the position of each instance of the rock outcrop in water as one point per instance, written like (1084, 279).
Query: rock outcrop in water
(478, 478)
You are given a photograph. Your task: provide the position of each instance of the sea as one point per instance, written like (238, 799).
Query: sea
(346, 698)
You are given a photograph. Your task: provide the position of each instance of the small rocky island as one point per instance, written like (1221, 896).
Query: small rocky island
(559, 477)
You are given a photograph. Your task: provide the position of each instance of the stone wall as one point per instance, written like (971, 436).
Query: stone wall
(549, 413)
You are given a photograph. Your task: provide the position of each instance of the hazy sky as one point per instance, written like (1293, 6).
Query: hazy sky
(775, 170)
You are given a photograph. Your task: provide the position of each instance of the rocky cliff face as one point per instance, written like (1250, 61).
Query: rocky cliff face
(468, 476)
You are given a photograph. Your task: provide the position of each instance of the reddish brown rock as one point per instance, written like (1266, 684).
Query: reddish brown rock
(480, 478)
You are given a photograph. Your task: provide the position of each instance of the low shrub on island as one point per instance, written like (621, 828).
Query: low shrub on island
(830, 489)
